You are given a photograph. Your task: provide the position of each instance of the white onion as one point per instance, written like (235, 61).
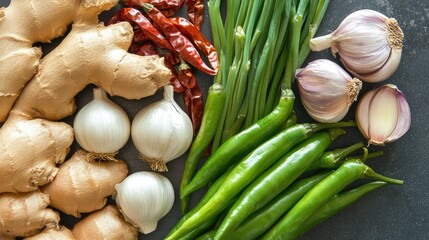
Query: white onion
(162, 131)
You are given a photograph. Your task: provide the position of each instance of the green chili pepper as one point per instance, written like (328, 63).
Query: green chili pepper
(291, 120)
(334, 159)
(198, 230)
(304, 153)
(207, 196)
(241, 144)
(208, 235)
(369, 155)
(349, 172)
(214, 221)
(217, 184)
(211, 117)
(277, 178)
(336, 204)
(260, 221)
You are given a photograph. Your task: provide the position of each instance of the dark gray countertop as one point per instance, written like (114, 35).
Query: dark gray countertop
(393, 212)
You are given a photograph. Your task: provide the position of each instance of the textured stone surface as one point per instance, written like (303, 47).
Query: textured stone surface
(393, 212)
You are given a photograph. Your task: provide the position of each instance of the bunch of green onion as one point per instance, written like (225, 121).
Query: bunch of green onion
(261, 44)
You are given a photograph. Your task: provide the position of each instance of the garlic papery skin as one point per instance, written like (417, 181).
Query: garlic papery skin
(101, 127)
(369, 45)
(162, 131)
(326, 90)
(383, 115)
(144, 198)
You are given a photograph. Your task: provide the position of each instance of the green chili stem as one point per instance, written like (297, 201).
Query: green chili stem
(371, 174)
(334, 125)
(370, 155)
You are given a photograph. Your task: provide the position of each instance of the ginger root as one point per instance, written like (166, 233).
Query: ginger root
(31, 145)
(91, 53)
(29, 152)
(25, 214)
(99, 56)
(24, 23)
(52, 234)
(105, 224)
(82, 186)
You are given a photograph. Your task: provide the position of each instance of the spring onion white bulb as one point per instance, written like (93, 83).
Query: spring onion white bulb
(383, 115)
(144, 198)
(162, 131)
(326, 90)
(368, 42)
(101, 127)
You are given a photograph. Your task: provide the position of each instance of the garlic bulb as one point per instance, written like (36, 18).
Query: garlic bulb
(101, 127)
(144, 198)
(383, 115)
(369, 45)
(162, 131)
(326, 90)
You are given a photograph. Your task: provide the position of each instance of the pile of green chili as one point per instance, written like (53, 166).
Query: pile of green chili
(259, 155)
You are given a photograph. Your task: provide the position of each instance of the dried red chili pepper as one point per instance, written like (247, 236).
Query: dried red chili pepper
(135, 16)
(192, 32)
(180, 43)
(145, 49)
(196, 12)
(173, 57)
(115, 18)
(134, 48)
(139, 35)
(167, 7)
(169, 12)
(159, 4)
(170, 61)
(192, 95)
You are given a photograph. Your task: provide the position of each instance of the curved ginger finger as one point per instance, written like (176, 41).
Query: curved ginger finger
(107, 224)
(25, 214)
(11, 83)
(97, 55)
(52, 234)
(82, 186)
(22, 24)
(29, 152)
